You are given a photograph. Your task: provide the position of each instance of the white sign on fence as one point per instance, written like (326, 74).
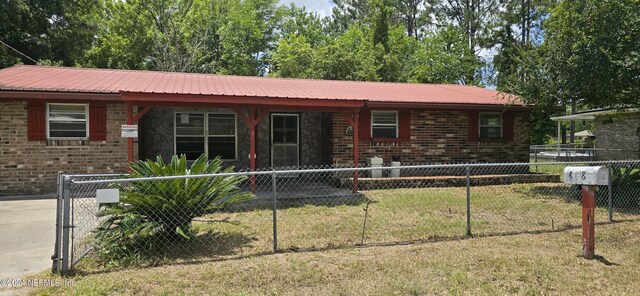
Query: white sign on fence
(129, 131)
(104, 196)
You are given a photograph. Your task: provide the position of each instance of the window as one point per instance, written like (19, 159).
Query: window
(490, 125)
(384, 124)
(67, 121)
(222, 135)
(213, 134)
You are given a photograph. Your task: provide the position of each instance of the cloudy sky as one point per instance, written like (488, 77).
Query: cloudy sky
(322, 7)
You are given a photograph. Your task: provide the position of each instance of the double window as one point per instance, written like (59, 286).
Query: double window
(490, 125)
(213, 134)
(67, 121)
(384, 124)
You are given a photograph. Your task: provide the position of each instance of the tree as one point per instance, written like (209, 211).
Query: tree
(595, 49)
(475, 19)
(351, 56)
(294, 57)
(414, 15)
(58, 31)
(125, 37)
(247, 36)
(347, 13)
(296, 20)
(445, 58)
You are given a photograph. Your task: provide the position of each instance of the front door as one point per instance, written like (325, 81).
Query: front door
(285, 140)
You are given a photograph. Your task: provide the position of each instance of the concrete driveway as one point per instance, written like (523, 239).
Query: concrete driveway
(27, 234)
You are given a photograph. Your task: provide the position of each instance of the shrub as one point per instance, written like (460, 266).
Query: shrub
(154, 213)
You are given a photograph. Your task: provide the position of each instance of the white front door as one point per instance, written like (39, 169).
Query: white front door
(285, 140)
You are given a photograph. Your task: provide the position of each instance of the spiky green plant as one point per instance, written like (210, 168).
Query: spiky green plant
(165, 208)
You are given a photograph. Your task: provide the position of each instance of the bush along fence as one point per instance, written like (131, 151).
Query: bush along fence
(175, 212)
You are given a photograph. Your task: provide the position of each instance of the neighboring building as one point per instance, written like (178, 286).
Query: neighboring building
(618, 134)
(69, 119)
(617, 131)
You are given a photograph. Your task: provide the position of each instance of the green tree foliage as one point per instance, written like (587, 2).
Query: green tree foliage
(298, 21)
(247, 36)
(294, 58)
(594, 51)
(351, 56)
(445, 58)
(53, 30)
(125, 37)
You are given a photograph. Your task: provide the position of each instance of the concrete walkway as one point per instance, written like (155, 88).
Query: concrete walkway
(27, 233)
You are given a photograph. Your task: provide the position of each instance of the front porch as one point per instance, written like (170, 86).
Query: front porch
(249, 133)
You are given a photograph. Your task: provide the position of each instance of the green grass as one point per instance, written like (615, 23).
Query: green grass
(528, 264)
(393, 216)
(233, 250)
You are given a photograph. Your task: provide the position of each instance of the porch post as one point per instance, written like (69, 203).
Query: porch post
(355, 150)
(252, 147)
(252, 119)
(353, 120)
(131, 119)
(129, 140)
(559, 132)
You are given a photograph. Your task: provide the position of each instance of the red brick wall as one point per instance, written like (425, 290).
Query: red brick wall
(31, 167)
(436, 137)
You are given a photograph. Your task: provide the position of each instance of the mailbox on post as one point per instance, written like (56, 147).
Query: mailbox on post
(589, 178)
(594, 175)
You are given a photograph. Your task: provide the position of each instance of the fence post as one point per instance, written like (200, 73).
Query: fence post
(275, 213)
(55, 258)
(66, 194)
(610, 185)
(535, 156)
(468, 200)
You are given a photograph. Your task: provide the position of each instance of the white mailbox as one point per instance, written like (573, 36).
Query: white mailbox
(592, 175)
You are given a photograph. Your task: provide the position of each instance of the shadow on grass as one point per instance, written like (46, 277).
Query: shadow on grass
(197, 251)
(284, 203)
(208, 245)
(625, 198)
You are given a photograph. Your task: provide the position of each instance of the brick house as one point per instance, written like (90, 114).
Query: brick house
(616, 131)
(69, 119)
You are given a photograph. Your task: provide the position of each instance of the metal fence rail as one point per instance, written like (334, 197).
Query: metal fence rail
(168, 219)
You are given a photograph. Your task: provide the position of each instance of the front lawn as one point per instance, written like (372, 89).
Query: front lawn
(527, 264)
(392, 217)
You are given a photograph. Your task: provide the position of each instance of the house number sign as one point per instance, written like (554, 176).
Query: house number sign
(129, 131)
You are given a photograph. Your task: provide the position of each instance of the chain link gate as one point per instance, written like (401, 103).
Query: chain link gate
(317, 208)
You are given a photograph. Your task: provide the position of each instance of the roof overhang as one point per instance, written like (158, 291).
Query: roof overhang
(591, 115)
(447, 106)
(62, 96)
(182, 100)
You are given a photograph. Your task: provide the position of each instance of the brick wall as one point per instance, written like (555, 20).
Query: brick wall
(436, 137)
(31, 167)
(618, 135)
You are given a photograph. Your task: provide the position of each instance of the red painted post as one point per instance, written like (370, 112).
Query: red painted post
(355, 150)
(588, 221)
(252, 146)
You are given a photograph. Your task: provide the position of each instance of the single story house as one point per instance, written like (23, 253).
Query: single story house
(616, 132)
(69, 119)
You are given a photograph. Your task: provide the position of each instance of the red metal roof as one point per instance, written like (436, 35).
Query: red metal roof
(89, 80)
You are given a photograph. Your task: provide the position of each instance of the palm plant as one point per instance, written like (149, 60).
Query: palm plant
(166, 207)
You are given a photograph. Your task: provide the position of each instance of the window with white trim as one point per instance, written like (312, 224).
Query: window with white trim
(384, 124)
(213, 134)
(67, 121)
(490, 125)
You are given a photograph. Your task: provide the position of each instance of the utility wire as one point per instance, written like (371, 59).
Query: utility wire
(26, 56)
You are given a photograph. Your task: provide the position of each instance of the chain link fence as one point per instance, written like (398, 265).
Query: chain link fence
(190, 218)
